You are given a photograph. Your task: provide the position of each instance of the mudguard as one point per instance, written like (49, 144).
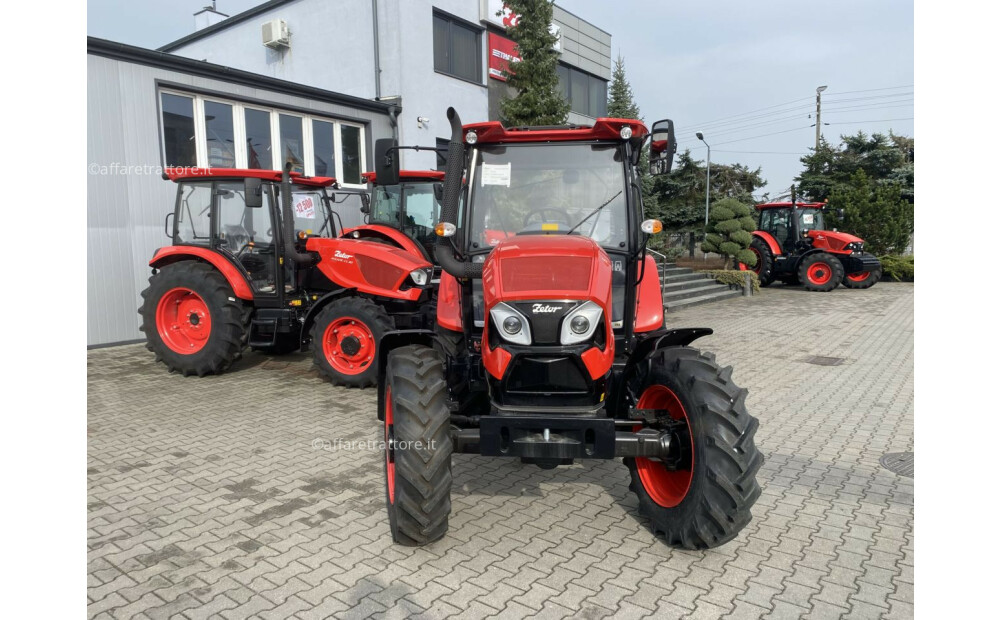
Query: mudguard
(769, 240)
(236, 279)
(401, 240)
(654, 341)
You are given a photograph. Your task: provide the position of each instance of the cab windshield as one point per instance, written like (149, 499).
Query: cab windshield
(310, 212)
(810, 219)
(569, 188)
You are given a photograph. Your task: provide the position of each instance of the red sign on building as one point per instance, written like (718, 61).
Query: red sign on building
(502, 51)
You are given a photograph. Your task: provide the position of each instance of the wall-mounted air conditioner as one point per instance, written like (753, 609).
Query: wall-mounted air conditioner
(275, 33)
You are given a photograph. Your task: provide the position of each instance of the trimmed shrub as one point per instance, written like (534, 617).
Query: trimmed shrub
(730, 227)
(897, 268)
(733, 277)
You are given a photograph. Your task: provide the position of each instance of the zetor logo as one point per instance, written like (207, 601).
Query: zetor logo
(342, 255)
(545, 309)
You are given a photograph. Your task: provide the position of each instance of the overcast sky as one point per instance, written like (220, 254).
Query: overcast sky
(734, 70)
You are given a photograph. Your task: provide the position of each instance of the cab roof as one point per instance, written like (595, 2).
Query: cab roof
(785, 205)
(494, 132)
(187, 174)
(410, 175)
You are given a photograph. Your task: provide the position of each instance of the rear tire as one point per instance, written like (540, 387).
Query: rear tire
(820, 272)
(866, 279)
(707, 504)
(345, 339)
(765, 261)
(192, 319)
(417, 446)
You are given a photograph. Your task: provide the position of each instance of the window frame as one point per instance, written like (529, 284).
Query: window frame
(239, 133)
(567, 88)
(454, 21)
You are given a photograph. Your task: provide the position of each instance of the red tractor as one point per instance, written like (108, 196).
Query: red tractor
(550, 342)
(256, 262)
(793, 246)
(403, 213)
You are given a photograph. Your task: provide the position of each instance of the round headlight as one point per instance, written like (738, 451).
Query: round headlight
(626, 132)
(471, 137)
(512, 325)
(579, 325)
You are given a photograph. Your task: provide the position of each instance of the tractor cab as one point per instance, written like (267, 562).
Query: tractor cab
(789, 225)
(411, 206)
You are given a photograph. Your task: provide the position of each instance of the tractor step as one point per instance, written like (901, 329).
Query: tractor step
(722, 292)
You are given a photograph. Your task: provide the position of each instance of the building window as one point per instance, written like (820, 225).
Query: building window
(205, 132)
(179, 145)
(350, 153)
(219, 136)
(290, 128)
(457, 48)
(257, 126)
(586, 94)
(323, 149)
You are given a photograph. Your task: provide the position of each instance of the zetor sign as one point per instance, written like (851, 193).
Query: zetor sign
(502, 51)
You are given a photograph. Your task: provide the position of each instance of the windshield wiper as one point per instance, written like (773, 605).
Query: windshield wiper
(594, 212)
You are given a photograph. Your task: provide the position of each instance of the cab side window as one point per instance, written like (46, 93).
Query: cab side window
(194, 217)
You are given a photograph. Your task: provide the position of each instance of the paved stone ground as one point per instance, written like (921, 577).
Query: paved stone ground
(227, 496)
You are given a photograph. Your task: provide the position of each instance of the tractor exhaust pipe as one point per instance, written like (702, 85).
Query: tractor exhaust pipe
(444, 252)
(288, 220)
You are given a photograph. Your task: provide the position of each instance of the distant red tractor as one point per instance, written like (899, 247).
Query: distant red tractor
(256, 261)
(794, 247)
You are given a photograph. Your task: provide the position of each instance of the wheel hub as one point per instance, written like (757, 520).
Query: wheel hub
(183, 321)
(350, 346)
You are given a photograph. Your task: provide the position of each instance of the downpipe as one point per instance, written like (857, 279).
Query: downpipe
(444, 251)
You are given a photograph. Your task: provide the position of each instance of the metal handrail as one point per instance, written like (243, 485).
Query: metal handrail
(665, 261)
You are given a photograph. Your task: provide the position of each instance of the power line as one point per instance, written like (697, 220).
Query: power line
(859, 108)
(880, 120)
(764, 135)
(870, 90)
(738, 118)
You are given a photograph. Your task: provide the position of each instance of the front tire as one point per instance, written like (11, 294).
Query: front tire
(820, 272)
(192, 319)
(345, 339)
(765, 261)
(864, 279)
(417, 446)
(707, 503)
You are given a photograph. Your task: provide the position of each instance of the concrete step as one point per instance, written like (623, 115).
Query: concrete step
(675, 271)
(722, 293)
(706, 288)
(677, 284)
(668, 280)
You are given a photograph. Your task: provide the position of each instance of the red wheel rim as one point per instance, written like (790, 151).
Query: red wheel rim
(183, 321)
(348, 345)
(665, 487)
(858, 277)
(390, 456)
(819, 273)
(760, 260)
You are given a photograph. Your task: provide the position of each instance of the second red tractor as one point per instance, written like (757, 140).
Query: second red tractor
(792, 245)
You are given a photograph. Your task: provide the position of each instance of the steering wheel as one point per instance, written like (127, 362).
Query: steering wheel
(561, 215)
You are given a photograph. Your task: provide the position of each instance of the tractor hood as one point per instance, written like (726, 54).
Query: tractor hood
(832, 239)
(547, 267)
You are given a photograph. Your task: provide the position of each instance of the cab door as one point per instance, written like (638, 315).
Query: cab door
(246, 235)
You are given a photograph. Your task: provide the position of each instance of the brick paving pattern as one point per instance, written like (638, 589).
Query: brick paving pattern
(230, 496)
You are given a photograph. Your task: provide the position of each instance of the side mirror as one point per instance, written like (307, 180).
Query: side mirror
(841, 213)
(366, 204)
(439, 192)
(386, 162)
(253, 192)
(662, 147)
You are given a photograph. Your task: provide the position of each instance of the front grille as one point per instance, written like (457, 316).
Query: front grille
(558, 374)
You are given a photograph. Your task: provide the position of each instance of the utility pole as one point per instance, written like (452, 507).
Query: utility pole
(708, 176)
(819, 124)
